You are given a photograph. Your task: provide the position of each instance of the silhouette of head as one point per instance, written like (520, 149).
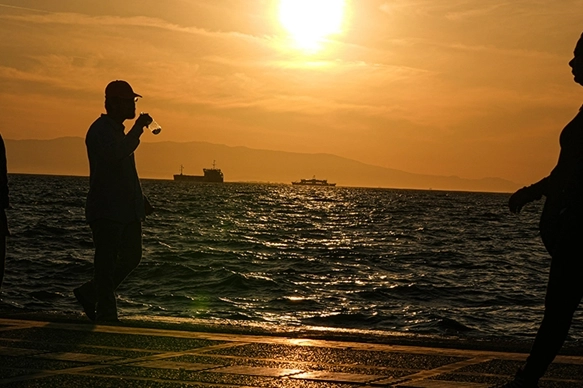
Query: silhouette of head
(120, 100)
(577, 62)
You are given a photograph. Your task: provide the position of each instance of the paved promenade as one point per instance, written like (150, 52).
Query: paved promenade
(35, 353)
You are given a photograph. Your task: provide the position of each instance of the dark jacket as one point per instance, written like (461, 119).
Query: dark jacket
(115, 192)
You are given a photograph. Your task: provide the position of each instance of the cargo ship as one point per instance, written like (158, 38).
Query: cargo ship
(313, 182)
(211, 175)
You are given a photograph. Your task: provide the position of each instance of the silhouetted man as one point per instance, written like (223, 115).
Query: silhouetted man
(115, 205)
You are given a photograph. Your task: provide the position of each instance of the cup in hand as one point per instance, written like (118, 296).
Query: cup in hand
(154, 127)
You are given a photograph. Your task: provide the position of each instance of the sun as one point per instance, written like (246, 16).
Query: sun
(310, 21)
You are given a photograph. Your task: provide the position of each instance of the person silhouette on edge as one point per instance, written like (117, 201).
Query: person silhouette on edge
(115, 206)
(4, 204)
(561, 228)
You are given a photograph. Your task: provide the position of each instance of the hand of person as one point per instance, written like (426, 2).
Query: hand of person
(520, 198)
(148, 208)
(143, 120)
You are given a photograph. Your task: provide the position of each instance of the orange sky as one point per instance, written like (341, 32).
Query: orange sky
(449, 87)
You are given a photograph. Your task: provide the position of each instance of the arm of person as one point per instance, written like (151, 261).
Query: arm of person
(112, 149)
(527, 194)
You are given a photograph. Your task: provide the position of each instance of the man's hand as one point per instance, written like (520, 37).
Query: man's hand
(148, 208)
(521, 198)
(143, 120)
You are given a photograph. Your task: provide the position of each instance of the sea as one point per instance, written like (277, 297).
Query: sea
(409, 262)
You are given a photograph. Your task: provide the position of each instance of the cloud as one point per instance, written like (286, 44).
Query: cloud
(472, 12)
(21, 8)
(76, 19)
(17, 75)
(487, 49)
(468, 10)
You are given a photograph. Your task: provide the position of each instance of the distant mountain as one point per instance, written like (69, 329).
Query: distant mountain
(67, 156)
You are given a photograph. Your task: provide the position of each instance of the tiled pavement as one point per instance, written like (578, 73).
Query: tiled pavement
(44, 354)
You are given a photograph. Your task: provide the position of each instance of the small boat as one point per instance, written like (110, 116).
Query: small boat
(314, 182)
(211, 175)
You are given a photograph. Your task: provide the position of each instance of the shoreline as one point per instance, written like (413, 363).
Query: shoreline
(571, 348)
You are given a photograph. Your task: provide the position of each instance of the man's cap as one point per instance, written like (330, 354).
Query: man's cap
(120, 89)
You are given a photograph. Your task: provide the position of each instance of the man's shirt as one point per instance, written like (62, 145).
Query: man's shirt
(115, 192)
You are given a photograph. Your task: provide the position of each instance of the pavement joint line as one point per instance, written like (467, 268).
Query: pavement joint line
(16, 327)
(556, 380)
(19, 352)
(154, 357)
(49, 373)
(88, 358)
(80, 346)
(180, 366)
(205, 349)
(164, 355)
(337, 377)
(498, 376)
(388, 382)
(158, 356)
(448, 368)
(245, 370)
(186, 382)
(425, 374)
(443, 384)
(279, 360)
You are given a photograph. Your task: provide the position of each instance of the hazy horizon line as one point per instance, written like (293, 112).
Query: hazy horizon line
(287, 152)
(283, 183)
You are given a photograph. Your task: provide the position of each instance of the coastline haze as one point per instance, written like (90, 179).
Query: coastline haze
(67, 156)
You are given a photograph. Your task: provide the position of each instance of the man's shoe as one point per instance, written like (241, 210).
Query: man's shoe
(88, 307)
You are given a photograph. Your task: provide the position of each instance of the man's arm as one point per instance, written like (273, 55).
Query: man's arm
(113, 150)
